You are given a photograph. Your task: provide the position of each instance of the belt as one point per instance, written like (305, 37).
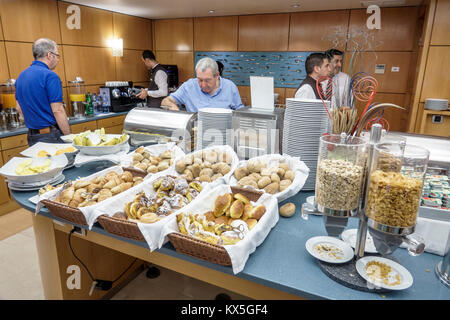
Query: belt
(42, 131)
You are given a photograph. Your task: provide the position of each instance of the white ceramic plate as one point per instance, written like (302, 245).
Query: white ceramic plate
(51, 148)
(99, 151)
(340, 251)
(350, 235)
(406, 279)
(56, 167)
(34, 188)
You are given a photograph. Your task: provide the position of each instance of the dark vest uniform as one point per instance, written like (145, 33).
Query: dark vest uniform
(312, 83)
(154, 102)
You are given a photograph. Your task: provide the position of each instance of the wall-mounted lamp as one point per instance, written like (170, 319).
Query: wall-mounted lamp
(116, 47)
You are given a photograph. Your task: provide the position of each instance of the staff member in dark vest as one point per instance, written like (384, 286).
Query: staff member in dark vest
(39, 96)
(316, 65)
(158, 87)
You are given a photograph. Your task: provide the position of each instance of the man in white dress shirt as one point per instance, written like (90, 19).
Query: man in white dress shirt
(158, 82)
(341, 81)
(316, 65)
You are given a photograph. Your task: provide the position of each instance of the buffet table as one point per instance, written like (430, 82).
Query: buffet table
(280, 268)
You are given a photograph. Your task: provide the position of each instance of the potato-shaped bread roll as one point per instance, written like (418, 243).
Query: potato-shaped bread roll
(207, 172)
(247, 181)
(283, 166)
(216, 176)
(263, 182)
(189, 159)
(236, 209)
(222, 203)
(254, 166)
(289, 175)
(138, 157)
(166, 155)
(287, 210)
(204, 178)
(274, 177)
(281, 172)
(188, 175)
(272, 188)
(285, 184)
(210, 156)
(266, 172)
(225, 168)
(127, 176)
(142, 166)
(140, 150)
(196, 170)
(180, 166)
(216, 167)
(255, 176)
(240, 173)
(152, 169)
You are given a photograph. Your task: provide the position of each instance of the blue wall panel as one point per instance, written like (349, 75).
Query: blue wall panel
(287, 68)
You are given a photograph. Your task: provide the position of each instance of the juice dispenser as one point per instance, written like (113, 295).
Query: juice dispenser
(8, 102)
(77, 97)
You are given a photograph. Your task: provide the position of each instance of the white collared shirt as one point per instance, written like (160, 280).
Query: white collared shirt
(161, 82)
(341, 90)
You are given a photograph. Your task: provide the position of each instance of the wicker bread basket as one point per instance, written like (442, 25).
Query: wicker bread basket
(202, 249)
(72, 214)
(121, 227)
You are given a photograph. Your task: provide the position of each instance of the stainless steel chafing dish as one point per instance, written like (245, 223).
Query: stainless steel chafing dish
(151, 125)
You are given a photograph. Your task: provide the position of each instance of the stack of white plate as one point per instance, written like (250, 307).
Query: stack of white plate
(305, 120)
(436, 104)
(214, 127)
(32, 186)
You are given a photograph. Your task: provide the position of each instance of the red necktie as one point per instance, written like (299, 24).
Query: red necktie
(329, 90)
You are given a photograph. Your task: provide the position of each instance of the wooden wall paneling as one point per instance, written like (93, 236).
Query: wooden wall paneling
(441, 27)
(397, 31)
(174, 34)
(30, 20)
(20, 57)
(318, 31)
(281, 95)
(290, 92)
(183, 59)
(244, 92)
(136, 32)
(131, 67)
(1, 23)
(95, 30)
(216, 33)
(389, 82)
(396, 118)
(265, 32)
(436, 82)
(94, 65)
(4, 71)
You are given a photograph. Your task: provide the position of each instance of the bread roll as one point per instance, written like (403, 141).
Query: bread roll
(138, 157)
(221, 220)
(127, 176)
(287, 210)
(251, 223)
(285, 184)
(240, 173)
(275, 177)
(284, 166)
(257, 212)
(263, 182)
(216, 176)
(225, 168)
(247, 181)
(205, 178)
(272, 188)
(247, 209)
(241, 197)
(222, 203)
(81, 184)
(206, 171)
(210, 216)
(289, 174)
(236, 209)
(180, 166)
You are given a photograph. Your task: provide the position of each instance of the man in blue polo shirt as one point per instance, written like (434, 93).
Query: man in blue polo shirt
(39, 96)
(208, 90)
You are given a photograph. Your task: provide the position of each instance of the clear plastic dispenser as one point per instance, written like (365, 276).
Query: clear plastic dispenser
(77, 97)
(395, 186)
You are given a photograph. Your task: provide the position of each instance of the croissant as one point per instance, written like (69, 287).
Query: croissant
(127, 176)
(67, 195)
(113, 182)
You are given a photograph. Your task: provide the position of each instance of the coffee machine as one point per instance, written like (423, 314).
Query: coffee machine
(120, 95)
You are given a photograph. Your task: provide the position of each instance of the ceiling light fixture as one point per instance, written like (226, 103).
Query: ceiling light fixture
(211, 11)
(296, 5)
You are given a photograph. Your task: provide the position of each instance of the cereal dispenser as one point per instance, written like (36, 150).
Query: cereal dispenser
(340, 171)
(395, 182)
(8, 102)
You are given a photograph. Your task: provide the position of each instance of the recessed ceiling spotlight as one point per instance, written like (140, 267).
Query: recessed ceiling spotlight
(296, 5)
(211, 11)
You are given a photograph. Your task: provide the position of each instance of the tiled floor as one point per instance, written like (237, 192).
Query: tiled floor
(20, 276)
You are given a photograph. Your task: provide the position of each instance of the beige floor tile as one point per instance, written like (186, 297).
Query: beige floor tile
(14, 222)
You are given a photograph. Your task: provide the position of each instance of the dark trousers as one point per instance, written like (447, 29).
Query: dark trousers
(54, 136)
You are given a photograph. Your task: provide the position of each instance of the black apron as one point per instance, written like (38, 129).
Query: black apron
(154, 102)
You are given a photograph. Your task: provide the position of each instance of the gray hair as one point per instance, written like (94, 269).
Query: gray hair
(43, 46)
(206, 63)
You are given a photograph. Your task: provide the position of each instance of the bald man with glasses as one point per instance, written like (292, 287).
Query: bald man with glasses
(39, 96)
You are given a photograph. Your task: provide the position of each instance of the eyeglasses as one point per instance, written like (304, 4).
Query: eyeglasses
(56, 54)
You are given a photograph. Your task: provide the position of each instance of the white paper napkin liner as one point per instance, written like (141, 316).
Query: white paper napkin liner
(126, 160)
(81, 158)
(301, 172)
(234, 163)
(240, 251)
(435, 233)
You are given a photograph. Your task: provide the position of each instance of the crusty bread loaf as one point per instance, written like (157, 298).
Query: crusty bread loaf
(287, 210)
